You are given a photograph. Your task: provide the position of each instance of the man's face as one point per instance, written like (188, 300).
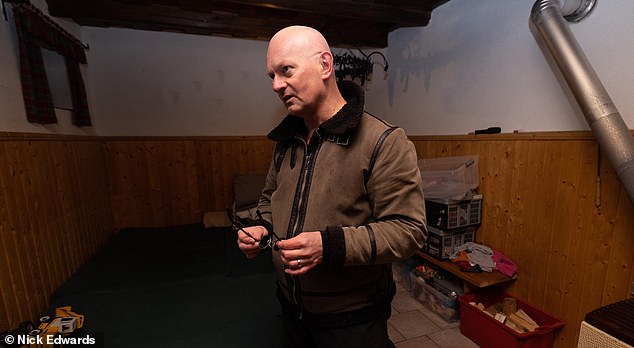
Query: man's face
(296, 76)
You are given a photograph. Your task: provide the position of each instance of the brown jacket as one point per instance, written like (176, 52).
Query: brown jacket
(358, 183)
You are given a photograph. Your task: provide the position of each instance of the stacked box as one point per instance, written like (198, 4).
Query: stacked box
(451, 224)
(449, 177)
(442, 243)
(448, 214)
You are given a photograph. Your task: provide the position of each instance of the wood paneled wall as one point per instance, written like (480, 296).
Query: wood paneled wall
(539, 208)
(54, 213)
(174, 181)
(539, 205)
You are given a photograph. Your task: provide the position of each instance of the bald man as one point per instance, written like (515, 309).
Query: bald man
(342, 200)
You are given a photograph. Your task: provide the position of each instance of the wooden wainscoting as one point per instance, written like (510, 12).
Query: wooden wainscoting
(540, 210)
(167, 181)
(539, 204)
(54, 214)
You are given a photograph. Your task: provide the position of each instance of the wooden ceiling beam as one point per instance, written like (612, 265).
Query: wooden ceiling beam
(393, 12)
(345, 23)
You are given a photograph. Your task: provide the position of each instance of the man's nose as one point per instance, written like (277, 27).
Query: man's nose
(278, 84)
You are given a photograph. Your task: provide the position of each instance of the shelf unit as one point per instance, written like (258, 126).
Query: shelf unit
(471, 281)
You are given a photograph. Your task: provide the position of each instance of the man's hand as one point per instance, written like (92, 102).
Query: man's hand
(302, 252)
(248, 245)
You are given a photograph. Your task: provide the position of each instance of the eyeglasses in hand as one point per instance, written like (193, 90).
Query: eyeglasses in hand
(267, 241)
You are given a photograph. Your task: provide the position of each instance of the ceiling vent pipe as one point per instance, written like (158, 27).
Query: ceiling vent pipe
(576, 10)
(552, 33)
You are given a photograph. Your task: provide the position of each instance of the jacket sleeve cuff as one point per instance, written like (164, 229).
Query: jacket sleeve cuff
(334, 246)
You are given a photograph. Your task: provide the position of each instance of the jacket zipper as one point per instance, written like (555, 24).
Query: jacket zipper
(298, 224)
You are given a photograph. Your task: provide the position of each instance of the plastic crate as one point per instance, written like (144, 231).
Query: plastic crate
(447, 214)
(449, 177)
(402, 270)
(446, 307)
(441, 244)
(487, 332)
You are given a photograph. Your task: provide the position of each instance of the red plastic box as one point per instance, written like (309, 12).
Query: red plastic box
(487, 332)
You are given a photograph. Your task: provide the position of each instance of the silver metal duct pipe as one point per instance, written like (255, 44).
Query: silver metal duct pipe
(576, 10)
(552, 32)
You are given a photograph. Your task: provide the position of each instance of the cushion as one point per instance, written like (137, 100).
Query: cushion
(247, 190)
(216, 219)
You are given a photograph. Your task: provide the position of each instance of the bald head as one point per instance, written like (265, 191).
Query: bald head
(300, 39)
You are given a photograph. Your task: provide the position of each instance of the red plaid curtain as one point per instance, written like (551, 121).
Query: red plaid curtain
(35, 32)
(37, 95)
(81, 116)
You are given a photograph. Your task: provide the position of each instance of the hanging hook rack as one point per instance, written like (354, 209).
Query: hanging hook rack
(348, 64)
(384, 59)
(373, 53)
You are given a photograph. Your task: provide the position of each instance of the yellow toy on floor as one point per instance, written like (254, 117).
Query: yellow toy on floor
(49, 332)
(66, 321)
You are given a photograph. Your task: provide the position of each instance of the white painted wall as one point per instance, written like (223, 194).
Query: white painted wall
(148, 83)
(474, 66)
(477, 65)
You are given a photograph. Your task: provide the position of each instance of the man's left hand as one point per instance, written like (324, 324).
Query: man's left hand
(302, 252)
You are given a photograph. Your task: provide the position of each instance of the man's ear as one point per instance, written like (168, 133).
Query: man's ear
(326, 62)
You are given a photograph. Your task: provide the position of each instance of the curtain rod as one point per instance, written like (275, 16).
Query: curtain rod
(28, 6)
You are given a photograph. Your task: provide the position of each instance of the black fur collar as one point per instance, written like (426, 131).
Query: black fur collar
(341, 124)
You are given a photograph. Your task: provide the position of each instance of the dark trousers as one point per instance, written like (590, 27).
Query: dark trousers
(366, 328)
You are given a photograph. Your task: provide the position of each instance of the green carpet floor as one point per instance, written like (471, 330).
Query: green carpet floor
(184, 286)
